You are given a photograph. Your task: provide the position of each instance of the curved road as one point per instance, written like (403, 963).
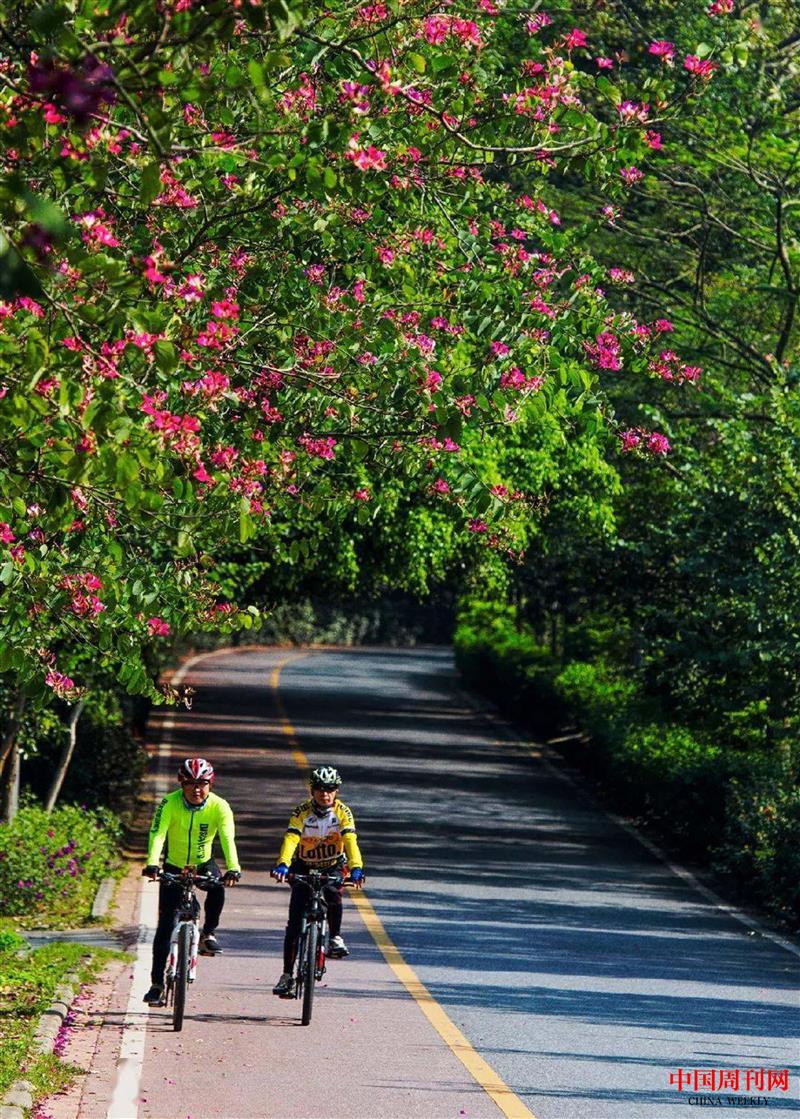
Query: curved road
(581, 972)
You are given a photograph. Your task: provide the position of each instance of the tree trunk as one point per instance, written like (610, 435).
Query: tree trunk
(11, 784)
(10, 733)
(66, 756)
(9, 762)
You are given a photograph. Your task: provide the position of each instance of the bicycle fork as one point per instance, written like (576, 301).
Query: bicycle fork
(194, 945)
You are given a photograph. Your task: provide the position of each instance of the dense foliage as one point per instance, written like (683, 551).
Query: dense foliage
(256, 259)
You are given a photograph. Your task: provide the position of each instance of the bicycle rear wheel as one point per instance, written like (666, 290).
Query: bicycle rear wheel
(310, 965)
(181, 975)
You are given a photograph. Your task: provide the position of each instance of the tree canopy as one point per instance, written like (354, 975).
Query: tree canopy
(258, 259)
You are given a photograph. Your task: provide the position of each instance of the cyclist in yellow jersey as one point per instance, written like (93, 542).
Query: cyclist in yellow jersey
(184, 827)
(321, 835)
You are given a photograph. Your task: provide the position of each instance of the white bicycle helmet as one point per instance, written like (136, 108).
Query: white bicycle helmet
(325, 777)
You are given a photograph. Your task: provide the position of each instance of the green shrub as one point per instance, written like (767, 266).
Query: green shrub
(50, 866)
(506, 663)
(760, 851)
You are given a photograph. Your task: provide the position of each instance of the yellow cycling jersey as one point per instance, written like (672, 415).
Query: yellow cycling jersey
(321, 841)
(189, 833)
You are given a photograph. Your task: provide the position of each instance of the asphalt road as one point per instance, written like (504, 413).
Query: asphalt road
(579, 966)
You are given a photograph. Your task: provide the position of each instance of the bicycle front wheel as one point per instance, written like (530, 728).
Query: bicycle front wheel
(181, 975)
(310, 964)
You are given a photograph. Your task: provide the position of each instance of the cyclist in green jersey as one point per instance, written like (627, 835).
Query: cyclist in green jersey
(184, 827)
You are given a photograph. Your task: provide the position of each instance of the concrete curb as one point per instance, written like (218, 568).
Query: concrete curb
(19, 1098)
(102, 899)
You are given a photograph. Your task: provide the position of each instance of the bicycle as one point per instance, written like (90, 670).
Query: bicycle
(184, 942)
(312, 943)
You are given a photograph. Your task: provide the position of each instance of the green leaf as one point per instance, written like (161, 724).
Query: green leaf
(151, 183)
(256, 73)
(417, 61)
(247, 527)
(360, 449)
(36, 351)
(166, 355)
(234, 77)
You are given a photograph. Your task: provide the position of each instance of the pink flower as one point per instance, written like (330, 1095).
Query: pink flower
(575, 39)
(366, 159)
(653, 140)
(385, 256)
(318, 448)
(664, 50)
(630, 440)
(157, 627)
(437, 28)
(433, 381)
(658, 444)
(604, 63)
(631, 175)
(63, 686)
(605, 352)
(477, 525)
(191, 290)
(537, 22)
(202, 475)
(362, 495)
(225, 309)
(663, 326)
(440, 486)
(621, 276)
(499, 349)
(633, 111)
(31, 306)
(6, 535)
(720, 7)
(704, 68)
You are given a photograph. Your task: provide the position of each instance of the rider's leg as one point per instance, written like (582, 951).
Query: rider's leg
(333, 896)
(168, 898)
(215, 897)
(297, 904)
(215, 900)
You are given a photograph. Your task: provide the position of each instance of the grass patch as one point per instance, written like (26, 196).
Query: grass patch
(28, 983)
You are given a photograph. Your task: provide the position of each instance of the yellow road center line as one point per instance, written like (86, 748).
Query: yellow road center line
(495, 1087)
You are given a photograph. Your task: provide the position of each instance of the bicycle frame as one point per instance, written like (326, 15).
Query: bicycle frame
(315, 912)
(312, 943)
(186, 912)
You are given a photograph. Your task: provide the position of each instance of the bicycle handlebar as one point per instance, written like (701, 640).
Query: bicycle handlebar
(325, 879)
(185, 879)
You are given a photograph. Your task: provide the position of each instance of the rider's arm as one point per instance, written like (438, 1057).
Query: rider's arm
(227, 832)
(350, 838)
(291, 839)
(158, 832)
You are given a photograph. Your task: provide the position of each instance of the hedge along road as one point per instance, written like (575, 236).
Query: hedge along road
(517, 952)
